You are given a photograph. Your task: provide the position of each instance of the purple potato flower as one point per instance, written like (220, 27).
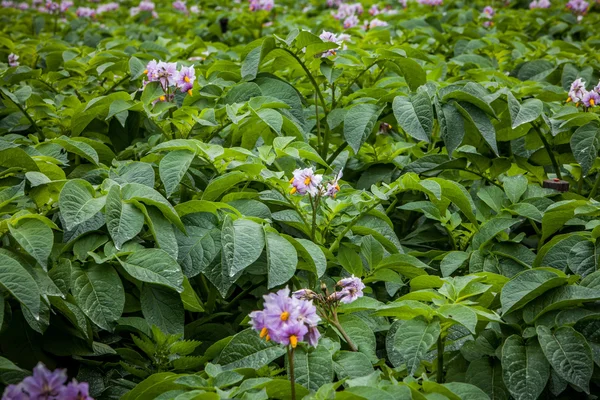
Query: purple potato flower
(352, 289)
(333, 187)
(591, 99)
(14, 392)
(185, 79)
(77, 391)
(576, 91)
(12, 60)
(306, 181)
(45, 384)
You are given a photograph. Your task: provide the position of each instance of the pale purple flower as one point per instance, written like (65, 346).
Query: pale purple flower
(347, 10)
(195, 10)
(352, 289)
(304, 294)
(431, 3)
(374, 10)
(576, 91)
(185, 79)
(313, 336)
(45, 384)
(351, 22)
(258, 5)
(376, 23)
(165, 73)
(539, 4)
(591, 98)
(597, 87)
(12, 60)
(180, 6)
(403, 3)
(306, 181)
(333, 187)
(7, 4)
(51, 6)
(14, 392)
(85, 12)
(578, 6)
(488, 24)
(333, 3)
(65, 5)
(146, 5)
(23, 6)
(112, 6)
(489, 11)
(76, 391)
(333, 38)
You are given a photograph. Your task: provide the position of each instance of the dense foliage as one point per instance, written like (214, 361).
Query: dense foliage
(438, 152)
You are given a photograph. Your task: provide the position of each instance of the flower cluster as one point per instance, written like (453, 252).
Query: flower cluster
(347, 10)
(351, 289)
(578, 94)
(333, 38)
(374, 10)
(13, 60)
(403, 3)
(169, 77)
(333, 3)
(145, 5)
(180, 6)
(102, 8)
(539, 4)
(431, 3)
(12, 4)
(578, 7)
(374, 23)
(488, 14)
(47, 385)
(287, 320)
(85, 12)
(257, 5)
(306, 181)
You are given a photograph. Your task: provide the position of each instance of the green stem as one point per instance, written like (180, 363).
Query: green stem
(595, 187)
(440, 359)
(337, 152)
(33, 124)
(313, 205)
(537, 129)
(310, 77)
(292, 375)
(113, 87)
(349, 87)
(335, 321)
(336, 244)
(318, 120)
(451, 237)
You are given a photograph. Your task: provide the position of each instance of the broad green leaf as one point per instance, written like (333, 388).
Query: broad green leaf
(191, 301)
(154, 266)
(247, 350)
(243, 242)
(359, 123)
(223, 183)
(453, 261)
(452, 127)
(413, 73)
(281, 259)
(486, 374)
(162, 230)
(557, 298)
(123, 220)
(460, 314)
(527, 286)
(198, 246)
(361, 335)
(457, 194)
(415, 115)
(253, 59)
(557, 215)
(35, 237)
(312, 254)
(99, 293)
(490, 229)
(523, 113)
(583, 258)
(153, 386)
(173, 167)
(77, 202)
(372, 251)
(515, 187)
(585, 144)
(525, 368)
(569, 354)
(313, 367)
(162, 307)
(149, 196)
(349, 364)
(414, 339)
(482, 123)
(80, 148)
(19, 283)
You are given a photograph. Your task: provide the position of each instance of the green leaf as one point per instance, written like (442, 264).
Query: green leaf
(243, 242)
(191, 301)
(99, 293)
(359, 123)
(361, 335)
(123, 220)
(585, 144)
(77, 203)
(199, 247)
(456, 193)
(482, 123)
(569, 354)
(80, 148)
(412, 72)
(460, 314)
(152, 91)
(415, 115)
(557, 298)
(583, 258)
(414, 339)
(490, 229)
(154, 266)
(515, 187)
(136, 67)
(486, 374)
(153, 386)
(223, 183)
(313, 367)
(252, 61)
(149, 196)
(247, 350)
(557, 215)
(173, 167)
(10, 373)
(162, 307)
(525, 368)
(452, 126)
(312, 254)
(349, 364)
(281, 259)
(521, 114)
(453, 261)
(19, 283)
(35, 237)
(527, 286)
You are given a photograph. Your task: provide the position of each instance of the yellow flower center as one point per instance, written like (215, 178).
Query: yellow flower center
(189, 92)
(162, 98)
(569, 99)
(285, 316)
(307, 180)
(293, 190)
(592, 102)
(186, 79)
(264, 332)
(294, 341)
(268, 338)
(146, 71)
